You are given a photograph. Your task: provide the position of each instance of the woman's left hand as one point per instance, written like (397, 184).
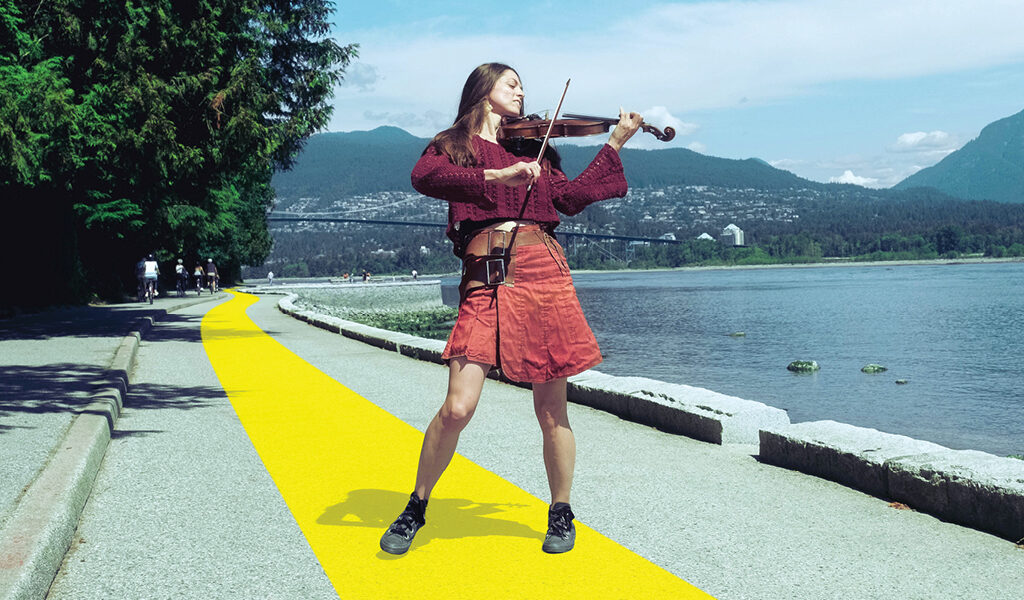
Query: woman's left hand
(628, 124)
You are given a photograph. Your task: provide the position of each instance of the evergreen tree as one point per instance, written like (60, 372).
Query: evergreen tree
(131, 127)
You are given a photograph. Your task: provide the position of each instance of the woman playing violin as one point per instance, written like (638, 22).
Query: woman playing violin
(518, 308)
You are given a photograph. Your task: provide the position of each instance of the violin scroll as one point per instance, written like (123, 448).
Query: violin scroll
(662, 136)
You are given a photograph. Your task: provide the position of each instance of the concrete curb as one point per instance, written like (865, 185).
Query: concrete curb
(43, 524)
(967, 487)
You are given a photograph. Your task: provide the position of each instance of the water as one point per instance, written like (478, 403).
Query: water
(954, 332)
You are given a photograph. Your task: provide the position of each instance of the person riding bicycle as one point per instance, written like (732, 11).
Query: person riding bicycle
(140, 278)
(182, 276)
(152, 272)
(211, 273)
(199, 275)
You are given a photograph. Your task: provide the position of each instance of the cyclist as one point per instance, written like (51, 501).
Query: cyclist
(199, 276)
(182, 276)
(152, 272)
(140, 279)
(211, 275)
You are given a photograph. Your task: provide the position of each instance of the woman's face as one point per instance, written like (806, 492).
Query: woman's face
(506, 97)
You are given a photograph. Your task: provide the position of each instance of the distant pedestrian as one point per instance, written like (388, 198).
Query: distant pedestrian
(415, 274)
(270, 278)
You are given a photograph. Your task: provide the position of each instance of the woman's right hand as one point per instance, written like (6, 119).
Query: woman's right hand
(521, 173)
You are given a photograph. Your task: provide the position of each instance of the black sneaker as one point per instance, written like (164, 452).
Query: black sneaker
(561, 535)
(398, 537)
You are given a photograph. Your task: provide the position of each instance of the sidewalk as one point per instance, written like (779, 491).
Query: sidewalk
(712, 514)
(63, 376)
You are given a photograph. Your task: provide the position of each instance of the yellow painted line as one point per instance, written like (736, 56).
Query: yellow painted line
(345, 468)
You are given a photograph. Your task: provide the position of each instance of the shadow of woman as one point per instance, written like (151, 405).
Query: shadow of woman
(449, 518)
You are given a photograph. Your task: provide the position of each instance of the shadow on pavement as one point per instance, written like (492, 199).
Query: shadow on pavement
(67, 387)
(152, 395)
(58, 387)
(449, 518)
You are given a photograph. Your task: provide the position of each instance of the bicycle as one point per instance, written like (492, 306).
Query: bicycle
(213, 283)
(199, 285)
(150, 289)
(182, 283)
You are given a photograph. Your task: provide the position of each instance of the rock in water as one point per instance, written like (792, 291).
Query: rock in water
(902, 382)
(803, 366)
(873, 368)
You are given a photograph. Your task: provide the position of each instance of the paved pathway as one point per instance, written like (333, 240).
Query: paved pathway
(206, 493)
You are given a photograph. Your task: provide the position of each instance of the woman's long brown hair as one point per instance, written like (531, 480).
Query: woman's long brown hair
(457, 140)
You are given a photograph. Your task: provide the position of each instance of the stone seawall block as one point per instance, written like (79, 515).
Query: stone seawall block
(967, 487)
(690, 411)
(973, 488)
(853, 456)
(423, 349)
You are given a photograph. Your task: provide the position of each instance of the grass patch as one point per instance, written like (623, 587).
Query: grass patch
(416, 310)
(431, 323)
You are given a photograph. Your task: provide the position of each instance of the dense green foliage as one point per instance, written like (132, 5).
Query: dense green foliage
(134, 127)
(990, 167)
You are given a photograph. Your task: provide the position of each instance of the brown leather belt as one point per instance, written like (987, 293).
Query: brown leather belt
(490, 255)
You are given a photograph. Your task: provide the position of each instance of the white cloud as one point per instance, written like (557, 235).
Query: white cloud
(918, 141)
(660, 117)
(849, 177)
(697, 147)
(787, 164)
(361, 76)
(701, 55)
(432, 120)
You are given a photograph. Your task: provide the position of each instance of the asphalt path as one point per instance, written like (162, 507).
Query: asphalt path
(183, 506)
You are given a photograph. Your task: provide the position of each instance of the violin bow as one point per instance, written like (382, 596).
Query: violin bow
(547, 136)
(558, 109)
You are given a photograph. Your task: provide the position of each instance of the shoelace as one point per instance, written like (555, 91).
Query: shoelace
(560, 523)
(405, 523)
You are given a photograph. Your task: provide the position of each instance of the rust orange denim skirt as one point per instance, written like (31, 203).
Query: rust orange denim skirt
(533, 329)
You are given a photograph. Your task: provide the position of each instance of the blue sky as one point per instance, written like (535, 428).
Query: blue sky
(866, 91)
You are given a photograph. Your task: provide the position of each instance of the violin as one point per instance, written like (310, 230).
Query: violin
(534, 127)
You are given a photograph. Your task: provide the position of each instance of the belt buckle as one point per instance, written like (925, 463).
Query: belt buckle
(491, 245)
(497, 274)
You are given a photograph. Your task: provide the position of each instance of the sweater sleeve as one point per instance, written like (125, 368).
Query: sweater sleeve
(434, 175)
(602, 179)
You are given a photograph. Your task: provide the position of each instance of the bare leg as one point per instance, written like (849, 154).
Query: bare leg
(549, 402)
(465, 382)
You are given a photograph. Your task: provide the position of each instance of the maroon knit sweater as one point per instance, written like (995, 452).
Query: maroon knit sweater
(471, 201)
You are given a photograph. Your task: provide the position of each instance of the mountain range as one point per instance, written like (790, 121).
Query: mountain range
(341, 165)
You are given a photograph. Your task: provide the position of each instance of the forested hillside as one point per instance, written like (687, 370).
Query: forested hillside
(129, 128)
(340, 165)
(990, 167)
(365, 175)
